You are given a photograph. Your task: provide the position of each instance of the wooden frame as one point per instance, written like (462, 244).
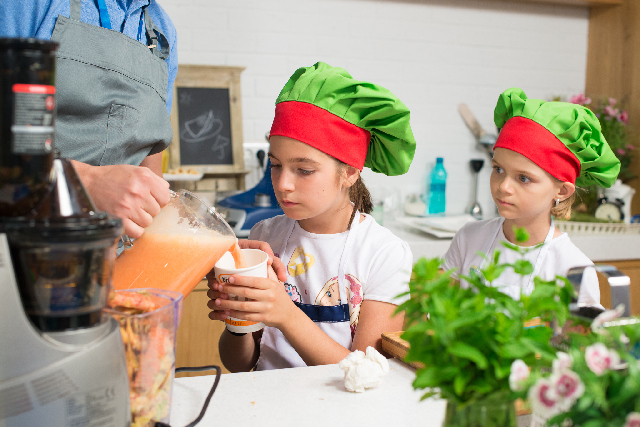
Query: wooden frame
(216, 77)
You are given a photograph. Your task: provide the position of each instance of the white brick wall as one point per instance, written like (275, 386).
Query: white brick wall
(433, 54)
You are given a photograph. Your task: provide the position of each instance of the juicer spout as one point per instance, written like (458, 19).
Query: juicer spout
(67, 197)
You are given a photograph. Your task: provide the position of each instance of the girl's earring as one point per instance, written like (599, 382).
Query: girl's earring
(557, 201)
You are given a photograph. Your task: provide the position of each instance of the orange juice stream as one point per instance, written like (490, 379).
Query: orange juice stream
(171, 262)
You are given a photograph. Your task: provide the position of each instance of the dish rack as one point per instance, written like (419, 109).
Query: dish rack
(597, 228)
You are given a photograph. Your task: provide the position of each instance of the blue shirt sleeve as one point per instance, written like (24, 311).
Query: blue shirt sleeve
(24, 18)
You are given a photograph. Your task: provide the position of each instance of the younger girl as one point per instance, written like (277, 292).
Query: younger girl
(344, 270)
(544, 149)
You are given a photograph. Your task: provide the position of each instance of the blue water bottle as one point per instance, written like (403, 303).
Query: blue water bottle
(437, 187)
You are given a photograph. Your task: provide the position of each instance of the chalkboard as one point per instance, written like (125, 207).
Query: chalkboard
(207, 120)
(204, 122)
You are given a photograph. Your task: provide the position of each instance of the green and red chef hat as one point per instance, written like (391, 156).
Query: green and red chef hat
(563, 139)
(358, 123)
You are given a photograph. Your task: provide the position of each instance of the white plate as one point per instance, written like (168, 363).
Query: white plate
(416, 223)
(182, 176)
(447, 223)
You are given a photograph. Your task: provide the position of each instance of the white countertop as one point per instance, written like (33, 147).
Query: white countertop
(312, 396)
(598, 248)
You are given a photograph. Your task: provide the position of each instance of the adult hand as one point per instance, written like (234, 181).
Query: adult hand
(133, 193)
(268, 303)
(273, 261)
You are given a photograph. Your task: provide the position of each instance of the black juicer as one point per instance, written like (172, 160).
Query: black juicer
(62, 361)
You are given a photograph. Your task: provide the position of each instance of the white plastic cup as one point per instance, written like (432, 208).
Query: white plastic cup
(256, 267)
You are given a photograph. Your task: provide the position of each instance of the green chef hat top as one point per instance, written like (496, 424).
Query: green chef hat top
(358, 123)
(563, 139)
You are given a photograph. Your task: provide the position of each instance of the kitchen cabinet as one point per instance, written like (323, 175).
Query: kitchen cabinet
(198, 336)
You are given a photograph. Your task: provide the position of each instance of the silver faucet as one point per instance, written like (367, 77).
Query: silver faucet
(618, 282)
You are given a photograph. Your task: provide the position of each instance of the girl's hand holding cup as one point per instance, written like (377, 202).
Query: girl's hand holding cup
(245, 298)
(225, 272)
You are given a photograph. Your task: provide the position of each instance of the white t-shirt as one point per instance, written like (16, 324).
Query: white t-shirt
(377, 268)
(559, 256)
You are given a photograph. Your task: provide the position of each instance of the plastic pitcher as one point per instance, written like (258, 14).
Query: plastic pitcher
(178, 249)
(148, 321)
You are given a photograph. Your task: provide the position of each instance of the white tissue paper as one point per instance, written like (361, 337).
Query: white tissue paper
(363, 370)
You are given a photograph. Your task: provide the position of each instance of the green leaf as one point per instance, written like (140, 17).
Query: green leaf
(428, 395)
(466, 351)
(511, 246)
(427, 377)
(468, 319)
(523, 267)
(515, 350)
(500, 371)
(492, 272)
(459, 383)
(521, 234)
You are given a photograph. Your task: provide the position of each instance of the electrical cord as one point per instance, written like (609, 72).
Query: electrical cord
(205, 405)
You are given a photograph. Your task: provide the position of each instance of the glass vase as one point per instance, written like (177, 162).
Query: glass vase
(488, 413)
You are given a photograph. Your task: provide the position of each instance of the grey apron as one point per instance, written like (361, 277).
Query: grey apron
(111, 93)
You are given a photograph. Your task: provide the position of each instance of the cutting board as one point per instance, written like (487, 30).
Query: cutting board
(397, 347)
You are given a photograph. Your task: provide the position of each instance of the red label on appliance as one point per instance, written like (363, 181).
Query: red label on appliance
(33, 119)
(29, 88)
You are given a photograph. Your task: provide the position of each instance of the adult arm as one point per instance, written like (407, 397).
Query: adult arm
(153, 162)
(133, 193)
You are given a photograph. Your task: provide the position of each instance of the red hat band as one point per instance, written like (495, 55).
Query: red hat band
(541, 146)
(323, 130)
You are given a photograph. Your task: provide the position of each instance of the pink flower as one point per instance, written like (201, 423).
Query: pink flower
(624, 117)
(568, 386)
(612, 102)
(543, 398)
(519, 373)
(562, 362)
(630, 147)
(599, 358)
(621, 151)
(633, 420)
(610, 111)
(580, 99)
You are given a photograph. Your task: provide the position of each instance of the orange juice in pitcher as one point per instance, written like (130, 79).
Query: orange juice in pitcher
(178, 249)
